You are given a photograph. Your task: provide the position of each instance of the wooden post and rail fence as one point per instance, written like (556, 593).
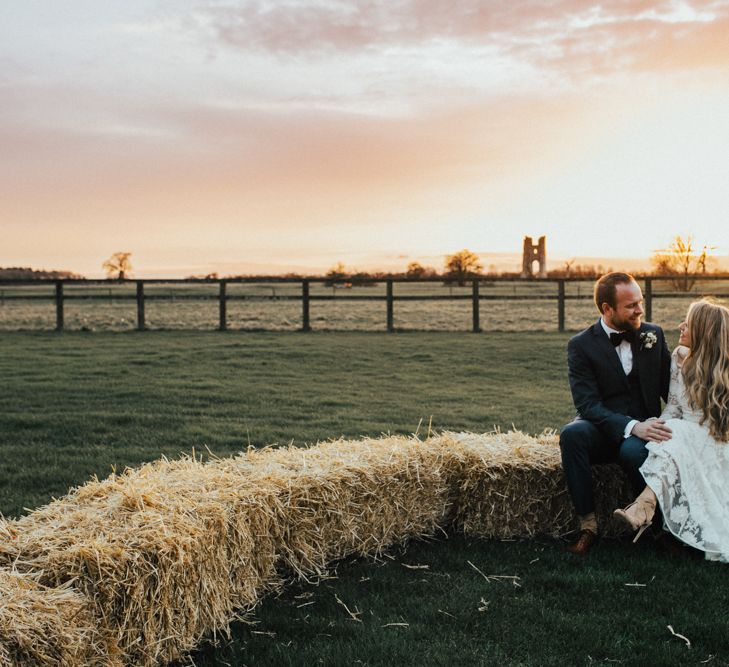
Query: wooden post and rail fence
(223, 296)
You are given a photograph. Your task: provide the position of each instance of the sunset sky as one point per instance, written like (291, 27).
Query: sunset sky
(264, 136)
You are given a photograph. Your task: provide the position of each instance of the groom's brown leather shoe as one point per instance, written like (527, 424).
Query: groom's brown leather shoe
(584, 542)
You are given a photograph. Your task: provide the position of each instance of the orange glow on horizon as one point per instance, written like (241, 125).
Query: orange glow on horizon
(370, 134)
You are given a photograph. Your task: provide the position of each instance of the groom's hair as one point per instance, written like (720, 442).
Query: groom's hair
(605, 288)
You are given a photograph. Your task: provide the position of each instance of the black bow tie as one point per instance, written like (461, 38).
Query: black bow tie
(617, 338)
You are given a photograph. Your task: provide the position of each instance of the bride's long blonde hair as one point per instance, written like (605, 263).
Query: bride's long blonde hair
(706, 368)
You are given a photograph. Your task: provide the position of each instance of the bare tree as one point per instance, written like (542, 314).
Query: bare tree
(336, 275)
(119, 264)
(463, 265)
(417, 270)
(682, 261)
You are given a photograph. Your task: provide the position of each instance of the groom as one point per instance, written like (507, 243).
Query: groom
(619, 370)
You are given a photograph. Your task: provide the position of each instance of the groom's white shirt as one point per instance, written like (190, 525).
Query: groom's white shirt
(625, 354)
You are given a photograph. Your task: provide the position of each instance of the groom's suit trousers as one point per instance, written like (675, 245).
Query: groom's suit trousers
(582, 446)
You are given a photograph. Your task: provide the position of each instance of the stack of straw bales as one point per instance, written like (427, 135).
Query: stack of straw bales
(156, 558)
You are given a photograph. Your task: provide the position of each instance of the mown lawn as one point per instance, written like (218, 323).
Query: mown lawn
(77, 404)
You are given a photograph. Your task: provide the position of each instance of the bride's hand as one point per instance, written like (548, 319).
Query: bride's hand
(653, 430)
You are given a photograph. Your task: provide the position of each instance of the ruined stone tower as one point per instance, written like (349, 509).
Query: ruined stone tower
(531, 253)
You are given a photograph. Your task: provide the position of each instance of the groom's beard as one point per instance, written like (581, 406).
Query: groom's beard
(631, 324)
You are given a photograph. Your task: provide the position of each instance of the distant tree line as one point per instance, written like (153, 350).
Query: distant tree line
(26, 273)
(682, 261)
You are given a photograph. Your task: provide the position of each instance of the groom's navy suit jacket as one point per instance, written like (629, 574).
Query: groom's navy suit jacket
(600, 388)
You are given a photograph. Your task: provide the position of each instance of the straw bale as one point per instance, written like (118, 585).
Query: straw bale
(48, 626)
(343, 497)
(152, 549)
(512, 485)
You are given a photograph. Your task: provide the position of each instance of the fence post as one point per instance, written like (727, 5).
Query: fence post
(648, 299)
(560, 304)
(476, 310)
(59, 305)
(140, 306)
(305, 326)
(390, 325)
(223, 307)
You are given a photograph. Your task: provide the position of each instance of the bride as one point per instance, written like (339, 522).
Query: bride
(687, 475)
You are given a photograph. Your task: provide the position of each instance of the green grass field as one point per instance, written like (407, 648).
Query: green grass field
(79, 404)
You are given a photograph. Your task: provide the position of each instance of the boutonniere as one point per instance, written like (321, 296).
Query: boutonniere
(647, 340)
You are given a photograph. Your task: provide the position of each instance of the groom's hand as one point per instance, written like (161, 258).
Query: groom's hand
(652, 430)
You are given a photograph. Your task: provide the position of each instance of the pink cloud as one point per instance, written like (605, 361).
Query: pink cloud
(348, 27)
(571, 35)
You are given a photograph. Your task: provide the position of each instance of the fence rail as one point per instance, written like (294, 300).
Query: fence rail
(60, 295)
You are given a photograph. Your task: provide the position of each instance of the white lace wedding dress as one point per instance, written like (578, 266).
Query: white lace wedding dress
(689, 474)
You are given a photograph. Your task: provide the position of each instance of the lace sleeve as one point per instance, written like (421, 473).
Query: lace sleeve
(673, 409)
